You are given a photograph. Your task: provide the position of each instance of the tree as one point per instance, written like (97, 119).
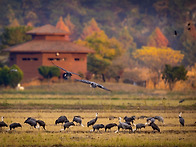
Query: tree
(173, 74)
(14, 35)
(157, 39)
(106, 50)
(10, 76)
(69, 24)
(61, 25)
(16, 75)
(188, 40)
(4, 76)
(49, 71)
(127, 40)
(90, 28)
(156, 58)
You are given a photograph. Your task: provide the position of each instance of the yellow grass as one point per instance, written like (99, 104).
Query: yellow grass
(41, 103)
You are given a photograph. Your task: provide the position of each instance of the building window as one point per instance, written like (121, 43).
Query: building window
(11, 59)
(77, 59)
(50, 59)
(57, 59)
(35, 59)
(26, 59)
(30, 59)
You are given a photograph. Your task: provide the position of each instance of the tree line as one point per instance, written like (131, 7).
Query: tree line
(132, 40)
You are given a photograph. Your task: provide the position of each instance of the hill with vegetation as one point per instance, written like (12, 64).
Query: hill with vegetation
(115, 29)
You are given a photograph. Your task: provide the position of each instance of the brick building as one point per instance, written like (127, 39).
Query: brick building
(48, 44)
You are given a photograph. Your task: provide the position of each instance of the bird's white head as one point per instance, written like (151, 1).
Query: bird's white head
(2, 118)
(180, 114)
(96, 114)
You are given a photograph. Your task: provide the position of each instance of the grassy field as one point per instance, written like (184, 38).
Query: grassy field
(47, 103)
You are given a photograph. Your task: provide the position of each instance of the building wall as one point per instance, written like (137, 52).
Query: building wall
(76, 63)
(30, 62)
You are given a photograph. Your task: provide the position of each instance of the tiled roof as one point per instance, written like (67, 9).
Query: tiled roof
(47, 29)
(49, 46)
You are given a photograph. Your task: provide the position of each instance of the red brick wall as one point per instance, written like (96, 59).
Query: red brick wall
(72, 62)
(30, 62)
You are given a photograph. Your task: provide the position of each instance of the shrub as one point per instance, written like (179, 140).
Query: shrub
(10, 76)
(49, 71)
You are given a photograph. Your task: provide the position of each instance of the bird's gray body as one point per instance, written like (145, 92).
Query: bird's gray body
(159, 118)
(15, 125)
(31, 122)
(140, 126)
(129, 119)
(93, 121)
(181, 119)
(97, 127)
(109, 126)
(93, 84)
(181, 101)
(154, 126)
(61, 119)
(41, 123)
(77, 120)
(124, 125)
(151, 119)
(3, 124)
(68, 124)
(67, 74)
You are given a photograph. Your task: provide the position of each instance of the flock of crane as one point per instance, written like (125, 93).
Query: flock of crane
(128, 123)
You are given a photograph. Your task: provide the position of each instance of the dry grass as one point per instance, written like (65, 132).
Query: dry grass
(171, 133)
(49, 102)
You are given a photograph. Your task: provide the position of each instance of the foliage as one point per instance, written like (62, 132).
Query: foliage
(97, 64)
(61, 25)
(4, 76)
(14, 35)
(127, 40)
(173, 74)
(69, 24)
(10, 76)
(49, 71)
(140, 18)
(156, 58)
(188, 40)
(106, 50)
(90, 28)
(157, 39)
(15, 76)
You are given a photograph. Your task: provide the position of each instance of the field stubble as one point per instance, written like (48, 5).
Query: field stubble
(47, 103)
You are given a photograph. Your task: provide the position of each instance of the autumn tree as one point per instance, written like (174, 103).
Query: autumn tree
(61, 25)
(157, 39)
(127, 40)
(71, 27)
(173, 74)
(106, 49)
(90, 28)
(156, 58)
(69, 24)
(188, 40)
(14, 35)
